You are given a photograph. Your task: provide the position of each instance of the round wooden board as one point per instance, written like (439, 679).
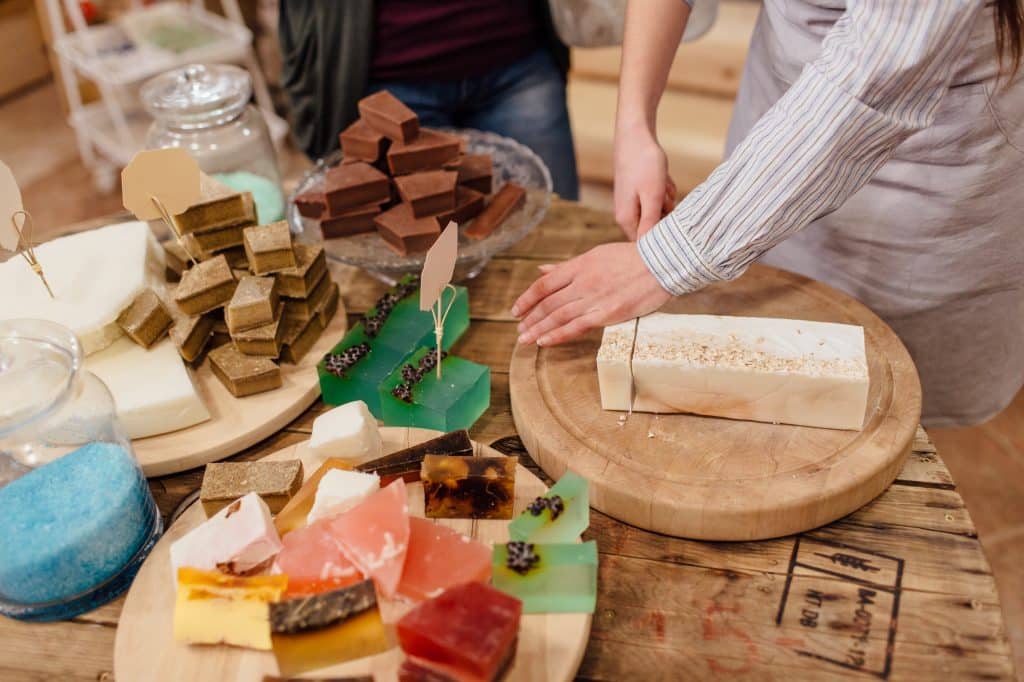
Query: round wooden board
(550, 647)
(719, 479)
(237, 423)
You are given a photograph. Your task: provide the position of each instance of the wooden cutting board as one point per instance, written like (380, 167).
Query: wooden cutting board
(550, 647)
(718, 479)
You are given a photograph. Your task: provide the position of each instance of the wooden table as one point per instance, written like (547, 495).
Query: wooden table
(898, 590)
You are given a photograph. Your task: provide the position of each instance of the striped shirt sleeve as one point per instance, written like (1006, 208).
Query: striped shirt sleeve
(881, 73)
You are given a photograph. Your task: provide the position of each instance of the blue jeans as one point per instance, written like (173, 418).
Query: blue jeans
(524, 101)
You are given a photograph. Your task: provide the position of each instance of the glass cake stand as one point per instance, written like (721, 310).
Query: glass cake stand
(512, 162)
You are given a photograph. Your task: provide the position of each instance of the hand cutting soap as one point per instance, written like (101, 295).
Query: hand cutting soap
(414, 395)
(558, 516)
(239, 539)
(348, 431)
(439, 558)
(339, 491)
(468, 487)
(468, 632)
(760, 369)
(406, 464)
(213, 608)
(558, 578)
(313, 561)
(326, 629)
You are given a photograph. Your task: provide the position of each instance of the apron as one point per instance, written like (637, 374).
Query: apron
(934, 243)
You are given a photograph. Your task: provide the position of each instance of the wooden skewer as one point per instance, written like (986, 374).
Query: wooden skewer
(28, 251)
(171, 226)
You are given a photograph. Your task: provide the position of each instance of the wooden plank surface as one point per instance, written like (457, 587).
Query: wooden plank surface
(672, 609)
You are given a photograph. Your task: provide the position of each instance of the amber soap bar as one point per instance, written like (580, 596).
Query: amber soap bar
(406, 463)
(468, 487)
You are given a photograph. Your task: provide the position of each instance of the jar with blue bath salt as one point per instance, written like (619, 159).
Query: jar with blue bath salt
(76, 516)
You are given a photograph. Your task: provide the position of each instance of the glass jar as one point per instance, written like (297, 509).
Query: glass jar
(205, 109)
(76, 516)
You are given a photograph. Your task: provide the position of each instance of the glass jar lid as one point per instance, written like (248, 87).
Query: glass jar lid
(198, 95)
(38, 362)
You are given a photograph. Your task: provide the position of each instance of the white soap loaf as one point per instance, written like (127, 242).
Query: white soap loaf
(759, 369)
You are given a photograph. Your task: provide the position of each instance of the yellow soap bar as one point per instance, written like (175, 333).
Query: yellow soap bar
(293, 514)
(214, 608)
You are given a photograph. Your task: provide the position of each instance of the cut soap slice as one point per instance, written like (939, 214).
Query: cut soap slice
(439, 558)
(152, 388)
(313, 561)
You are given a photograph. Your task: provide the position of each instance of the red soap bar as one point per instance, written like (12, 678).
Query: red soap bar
(386, 114)
(354, 184)
(311, 204)
(375, 535)
(411, 671)
(352, 221)
(438, 558)
(507, 201)
(470, 630)
(404, 232)
(468, 204)
(361, 142)
(431, 150)
(428, 192)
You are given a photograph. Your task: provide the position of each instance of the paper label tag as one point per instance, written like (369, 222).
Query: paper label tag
(170, 175)
(10, 203)
(439, 266)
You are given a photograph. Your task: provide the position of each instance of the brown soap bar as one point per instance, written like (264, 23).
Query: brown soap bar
(468, 204)
(326, 308)
(264, 340)
(236, 257)
(468, 487)
(218, 205)
(361, 142)
(386, 114)
(406, 463)
(146, 319)
(509, 199)
(225, 482)
(310, 266)
(220, 326)
(205, 286)
(298, 337)
(305, 308)
(190, 334)
(269, 248)
(311, 204)
(244, 374)
(428, 151)
(404, 232)
(353, 221)
(218, 339)
(176, 259)
(428, 192)
(475, 171)
(221, 238)
(352, 185)
(253, 305)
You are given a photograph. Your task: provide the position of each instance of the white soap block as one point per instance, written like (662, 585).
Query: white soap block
(759, 369)
(94, 276)
(239, 538)
(613, 360)
(152, 389)
(340, 490)
(348, 431)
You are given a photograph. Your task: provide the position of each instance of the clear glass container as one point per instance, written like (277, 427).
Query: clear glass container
(76, 515)
(205, 109)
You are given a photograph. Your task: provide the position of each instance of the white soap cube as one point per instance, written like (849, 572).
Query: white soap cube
(339, 491)
(348, 431)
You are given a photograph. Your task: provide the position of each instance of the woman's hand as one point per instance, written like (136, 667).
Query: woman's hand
(608, 284)
(644, 192)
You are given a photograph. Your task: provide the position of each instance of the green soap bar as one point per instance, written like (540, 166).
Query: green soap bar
(455, 401)
(362, 379)
(560, 515)
(408, 327)
(558, 578)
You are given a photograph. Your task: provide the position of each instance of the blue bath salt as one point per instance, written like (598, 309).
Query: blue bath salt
(71, 524)
(265, 194)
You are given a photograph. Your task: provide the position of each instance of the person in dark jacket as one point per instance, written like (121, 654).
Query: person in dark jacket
(493, 65)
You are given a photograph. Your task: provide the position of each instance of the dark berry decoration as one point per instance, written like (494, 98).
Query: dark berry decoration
(537, 507)
(521, 557)
(410, 374)
(339, 363)
(557, 505)
(403, 392)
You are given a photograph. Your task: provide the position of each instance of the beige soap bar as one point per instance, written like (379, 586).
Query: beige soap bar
(758, 369)
(253, 304)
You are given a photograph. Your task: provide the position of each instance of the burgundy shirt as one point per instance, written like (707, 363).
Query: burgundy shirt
(450, 39)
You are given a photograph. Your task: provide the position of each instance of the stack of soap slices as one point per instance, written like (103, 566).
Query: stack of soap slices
(406, 182)
(304, 569)
(388, 360)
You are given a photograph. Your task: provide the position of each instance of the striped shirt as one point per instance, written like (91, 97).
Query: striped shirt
(882, 71)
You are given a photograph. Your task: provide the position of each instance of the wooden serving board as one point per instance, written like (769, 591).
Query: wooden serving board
(550, 647)
(718, 479)
(237, 423)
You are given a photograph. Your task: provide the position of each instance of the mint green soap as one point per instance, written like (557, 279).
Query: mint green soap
(266, 194)
(557, 516)
(556, 578)
(408, 327)
(414, 396)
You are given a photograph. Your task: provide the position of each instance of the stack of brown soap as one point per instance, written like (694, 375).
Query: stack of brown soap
(214, 224)
(404, 181)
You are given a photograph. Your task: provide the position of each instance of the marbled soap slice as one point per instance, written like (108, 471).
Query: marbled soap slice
(469, 632)
(559, 578)
(558, 516)
(468, 487)
(313, 561)
(405, 464)
(375, 536)
(439, 558)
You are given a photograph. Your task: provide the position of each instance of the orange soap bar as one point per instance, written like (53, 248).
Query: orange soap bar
(314, 562)
(438, 558)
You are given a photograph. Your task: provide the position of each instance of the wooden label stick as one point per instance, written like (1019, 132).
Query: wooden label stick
(438, 270)
(159, 184)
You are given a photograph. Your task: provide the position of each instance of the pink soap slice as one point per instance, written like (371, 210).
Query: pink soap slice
(314, 562)
(375, 535)
(438, 558)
